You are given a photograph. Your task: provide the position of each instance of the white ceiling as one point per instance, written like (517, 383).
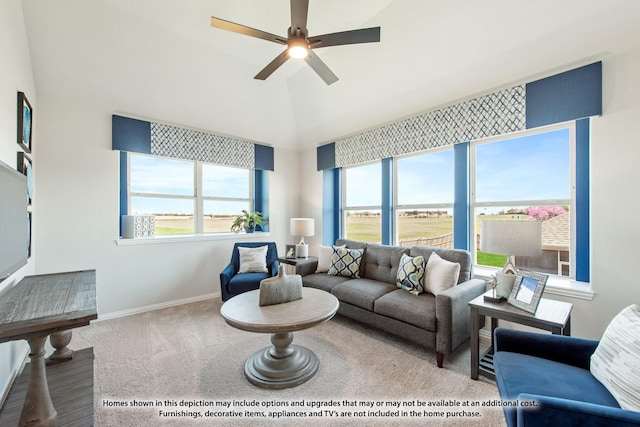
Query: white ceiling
(161, 60)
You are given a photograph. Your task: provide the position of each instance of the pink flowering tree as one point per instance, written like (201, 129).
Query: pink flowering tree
(542, 213)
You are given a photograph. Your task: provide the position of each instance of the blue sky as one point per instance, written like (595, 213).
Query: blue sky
(533, 167)
(524, 168)
(167, 176)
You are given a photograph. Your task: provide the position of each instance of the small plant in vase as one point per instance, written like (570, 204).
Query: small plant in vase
(247, 222)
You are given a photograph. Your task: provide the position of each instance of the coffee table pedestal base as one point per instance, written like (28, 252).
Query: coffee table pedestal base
(282, 365)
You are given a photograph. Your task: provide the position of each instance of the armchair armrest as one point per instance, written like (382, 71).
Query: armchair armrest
(559, 348)
(452, 314)
(273, 270)
(555, 411)
(305, 268)
(226, 275)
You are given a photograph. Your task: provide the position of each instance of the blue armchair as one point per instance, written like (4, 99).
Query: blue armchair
(553, 371)
(232, 283)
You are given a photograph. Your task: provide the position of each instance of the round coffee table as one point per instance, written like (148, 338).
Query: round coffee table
(283, 364)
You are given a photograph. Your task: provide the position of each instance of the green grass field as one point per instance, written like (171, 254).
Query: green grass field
(364, 228)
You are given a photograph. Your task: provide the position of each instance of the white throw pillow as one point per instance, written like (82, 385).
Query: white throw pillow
(616, 361)
(440, 274)
(324, 258)
(253, 260)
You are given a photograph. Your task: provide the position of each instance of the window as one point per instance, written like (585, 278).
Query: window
(363, 203)
(187, 196)
(225, 192)
(424, 201)
(528, 178)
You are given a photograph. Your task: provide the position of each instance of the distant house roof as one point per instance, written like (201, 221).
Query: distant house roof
(556, 233)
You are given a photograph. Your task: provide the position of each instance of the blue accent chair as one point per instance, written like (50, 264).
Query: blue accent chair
(232, 283)
(553, 371)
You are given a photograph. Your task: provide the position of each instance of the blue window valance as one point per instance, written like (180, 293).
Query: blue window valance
(571, 95)
(160, 139)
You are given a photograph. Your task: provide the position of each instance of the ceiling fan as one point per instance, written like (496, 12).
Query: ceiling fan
(299, 44)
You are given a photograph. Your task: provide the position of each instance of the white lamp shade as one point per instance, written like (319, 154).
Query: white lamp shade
(521, 238)
(301, 227)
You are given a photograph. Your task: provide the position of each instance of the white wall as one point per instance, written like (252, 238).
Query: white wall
(615, 198)
(15, 75)
(78, 199)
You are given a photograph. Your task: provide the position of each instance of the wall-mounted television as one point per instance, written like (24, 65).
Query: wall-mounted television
(14, 221)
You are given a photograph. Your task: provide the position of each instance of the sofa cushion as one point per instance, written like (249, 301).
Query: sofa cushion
(440, 274)
(381, 262)
(417, 310)
(346, 262)
(245, 282)
(362, 292)
(460, 256)
(323, 281)
(253, 260)
(410, 275)
(616, 361)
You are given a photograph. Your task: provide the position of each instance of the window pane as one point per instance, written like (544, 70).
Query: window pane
(555, 237)
(363, 185)
(158, 175)
(173, 216)
(219, 215)
(533, 167)
(222, 181)
(432, 227)
(426, 179)
(363, 225)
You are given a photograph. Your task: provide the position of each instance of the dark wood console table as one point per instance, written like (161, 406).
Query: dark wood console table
(32, 310)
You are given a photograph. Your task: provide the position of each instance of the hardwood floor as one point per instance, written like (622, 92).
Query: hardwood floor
(71, 389)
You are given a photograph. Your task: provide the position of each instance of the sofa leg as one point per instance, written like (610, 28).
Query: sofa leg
(440, 359)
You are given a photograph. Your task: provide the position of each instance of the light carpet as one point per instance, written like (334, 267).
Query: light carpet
(188, 353)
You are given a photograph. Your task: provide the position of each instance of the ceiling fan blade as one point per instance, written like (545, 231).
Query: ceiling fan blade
(321, 68)
(299, 12)
(365, 35)
(247, 31)
(272, 66)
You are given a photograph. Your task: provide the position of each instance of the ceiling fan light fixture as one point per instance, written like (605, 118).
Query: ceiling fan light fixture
(298, 49)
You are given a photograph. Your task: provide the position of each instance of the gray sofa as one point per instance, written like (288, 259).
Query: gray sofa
(437, 322)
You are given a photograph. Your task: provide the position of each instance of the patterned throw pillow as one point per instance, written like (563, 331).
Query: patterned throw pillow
(346, 262)
(411, 274)
(253, 260)
(616, 361)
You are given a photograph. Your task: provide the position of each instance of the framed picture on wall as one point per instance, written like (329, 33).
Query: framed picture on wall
(25, 122)
(29, 219)
(25, 166)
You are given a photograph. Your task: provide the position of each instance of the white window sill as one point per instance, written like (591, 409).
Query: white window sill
(188, 238)
(556, 285)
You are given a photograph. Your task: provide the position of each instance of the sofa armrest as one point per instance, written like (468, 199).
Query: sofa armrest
(555, 411)
(453, 314)
(225, 277)
(559, 348)
(305, 268)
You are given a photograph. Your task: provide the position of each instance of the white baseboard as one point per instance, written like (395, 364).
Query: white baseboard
(138, 310)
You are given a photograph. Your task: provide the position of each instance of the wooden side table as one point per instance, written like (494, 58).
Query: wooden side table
(551, 315)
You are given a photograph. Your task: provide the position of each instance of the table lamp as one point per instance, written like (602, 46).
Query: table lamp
(301, 227)
(511, 238)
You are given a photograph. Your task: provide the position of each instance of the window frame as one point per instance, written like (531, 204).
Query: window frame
(398, 207)
(571, 202)
(198, 197)
(346, 208)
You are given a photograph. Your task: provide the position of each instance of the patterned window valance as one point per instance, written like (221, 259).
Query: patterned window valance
(567, 96)
(172, 141)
